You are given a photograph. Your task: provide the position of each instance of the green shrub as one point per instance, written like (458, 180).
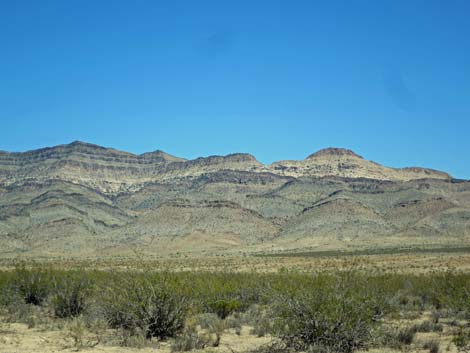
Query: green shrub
(406, 335)
(226, 293)
(394, 337)
(335, 317)
(209, 323)
(432, 346)
(143, 304)
(223, 307)
(70, 294)
(32, 285)
(462, 340)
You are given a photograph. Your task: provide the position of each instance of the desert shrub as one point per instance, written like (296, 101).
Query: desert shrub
(432, 346)
(403, 301)
(235, 322)
(336, 316)
(224, 307)
(385, 336)
(260, 319)
(406, 335)
(32, 285)
(189, 340)
(207, 321)
(201, 331)
(262, 327)
(11, 302)
(455, 294)
(29, 314)
(462, 340)
(6, 293)
(78, 335)
(70, 294)
(257, 316)
(226, 293)
(394, 337)
(436, 316)
(140, 303)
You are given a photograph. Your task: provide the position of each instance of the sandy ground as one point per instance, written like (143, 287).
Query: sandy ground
(18, 338)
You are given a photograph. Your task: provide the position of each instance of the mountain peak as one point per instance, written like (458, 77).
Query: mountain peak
(242, 157)
(335, 152)
(80, 144)
(161, 155)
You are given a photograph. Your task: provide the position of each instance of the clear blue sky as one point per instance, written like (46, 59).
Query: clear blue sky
(279, 79)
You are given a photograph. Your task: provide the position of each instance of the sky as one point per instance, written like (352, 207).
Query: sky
(278, 79)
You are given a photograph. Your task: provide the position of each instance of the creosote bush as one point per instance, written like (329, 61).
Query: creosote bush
(406, 336)
(462, 340)
(336, 316)
(432, 346)
(140, 303)
(224, 308)
(70, 294)
(31, 284)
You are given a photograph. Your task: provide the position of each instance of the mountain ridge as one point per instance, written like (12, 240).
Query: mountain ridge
(118, 170)
(82, 199)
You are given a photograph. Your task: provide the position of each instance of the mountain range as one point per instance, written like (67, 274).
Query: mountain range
(86, 200)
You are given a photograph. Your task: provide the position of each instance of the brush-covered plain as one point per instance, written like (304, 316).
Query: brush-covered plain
(48, 307)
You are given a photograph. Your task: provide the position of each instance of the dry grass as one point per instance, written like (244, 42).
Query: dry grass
(415, 263)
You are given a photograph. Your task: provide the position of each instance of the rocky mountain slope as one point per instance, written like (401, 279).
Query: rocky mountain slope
(85, 200)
